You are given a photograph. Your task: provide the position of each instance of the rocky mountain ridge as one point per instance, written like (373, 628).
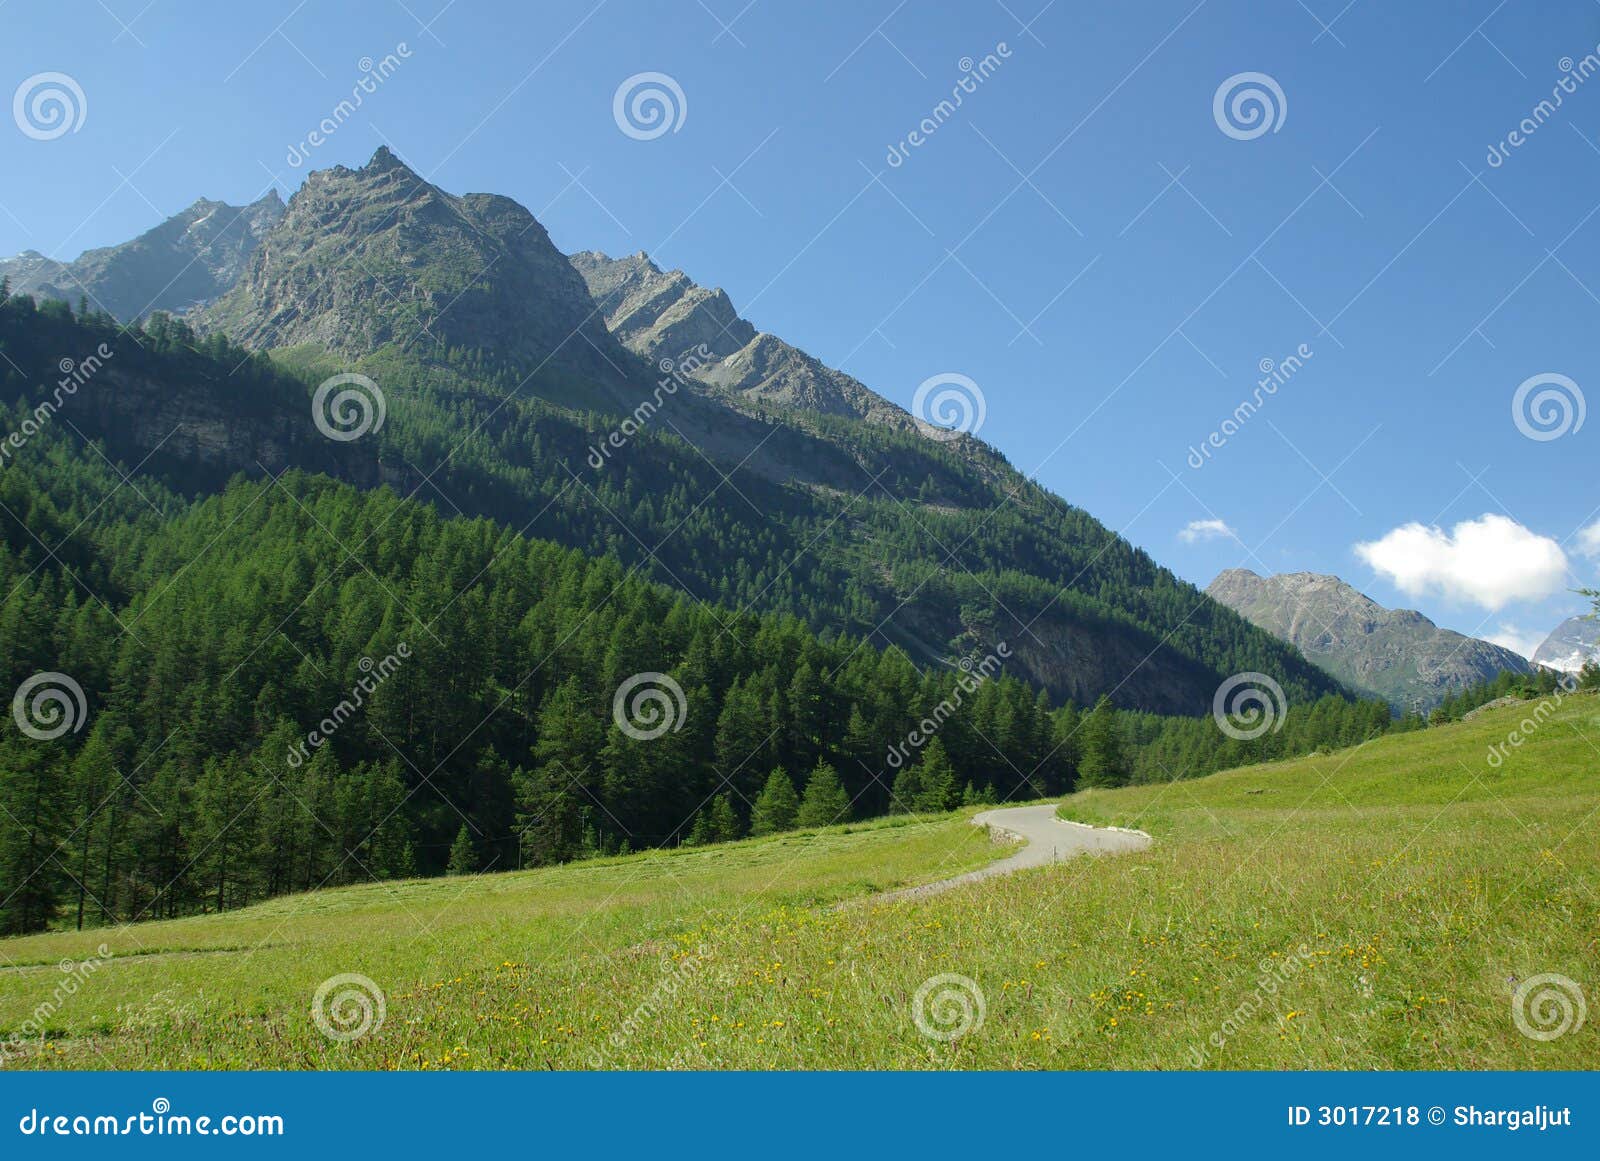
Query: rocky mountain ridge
(663, 314)
(1397, 654)
(187, 261)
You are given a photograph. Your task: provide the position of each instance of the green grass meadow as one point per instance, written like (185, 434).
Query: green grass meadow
(1372, 908)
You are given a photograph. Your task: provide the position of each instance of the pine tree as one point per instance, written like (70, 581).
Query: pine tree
(777, 807)
(825, 802)
(549, 823)
(725, 825)
(1100, 761)
(907, 789)
(463, 855)
(939, 791)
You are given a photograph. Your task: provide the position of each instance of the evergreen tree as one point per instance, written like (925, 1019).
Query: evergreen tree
(1100, 761)
(724, 825)
(777, 807)
(463, 855)
(907, 789)
(825, 802)
(939, 791)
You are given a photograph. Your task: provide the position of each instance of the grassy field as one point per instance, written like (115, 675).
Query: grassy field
(1374, 908)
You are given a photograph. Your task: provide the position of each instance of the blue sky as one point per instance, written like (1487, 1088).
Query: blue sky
(1080, 237)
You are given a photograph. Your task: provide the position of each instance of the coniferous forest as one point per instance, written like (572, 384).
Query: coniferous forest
(294, 682)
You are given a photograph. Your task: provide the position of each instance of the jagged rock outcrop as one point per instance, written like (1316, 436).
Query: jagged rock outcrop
(665, 315)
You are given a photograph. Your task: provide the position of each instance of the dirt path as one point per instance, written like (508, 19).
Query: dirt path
(1046, 839)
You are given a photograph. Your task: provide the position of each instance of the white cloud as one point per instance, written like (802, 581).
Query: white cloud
(1197, 530)
(1589, 540)
(1489, 561)
(1517, 640)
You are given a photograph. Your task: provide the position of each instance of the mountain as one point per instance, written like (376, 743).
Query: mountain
(657, 314)
(186, 261)
(373, 257)
(1571, 644)
(1396, 654)
(761, 481)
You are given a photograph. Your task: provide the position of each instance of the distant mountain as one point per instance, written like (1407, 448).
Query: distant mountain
(1570, 645)
(187, 261)
(1395, 654)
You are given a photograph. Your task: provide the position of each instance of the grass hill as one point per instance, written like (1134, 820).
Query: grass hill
(1371, 908)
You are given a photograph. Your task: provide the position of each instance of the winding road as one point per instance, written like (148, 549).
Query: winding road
(1046, 839)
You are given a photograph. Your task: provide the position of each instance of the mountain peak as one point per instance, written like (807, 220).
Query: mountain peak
(375, 257)
(1571, 644)
(383, 161)
(1396, 654)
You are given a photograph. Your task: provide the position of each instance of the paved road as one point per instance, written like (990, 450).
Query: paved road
(1046, 839)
